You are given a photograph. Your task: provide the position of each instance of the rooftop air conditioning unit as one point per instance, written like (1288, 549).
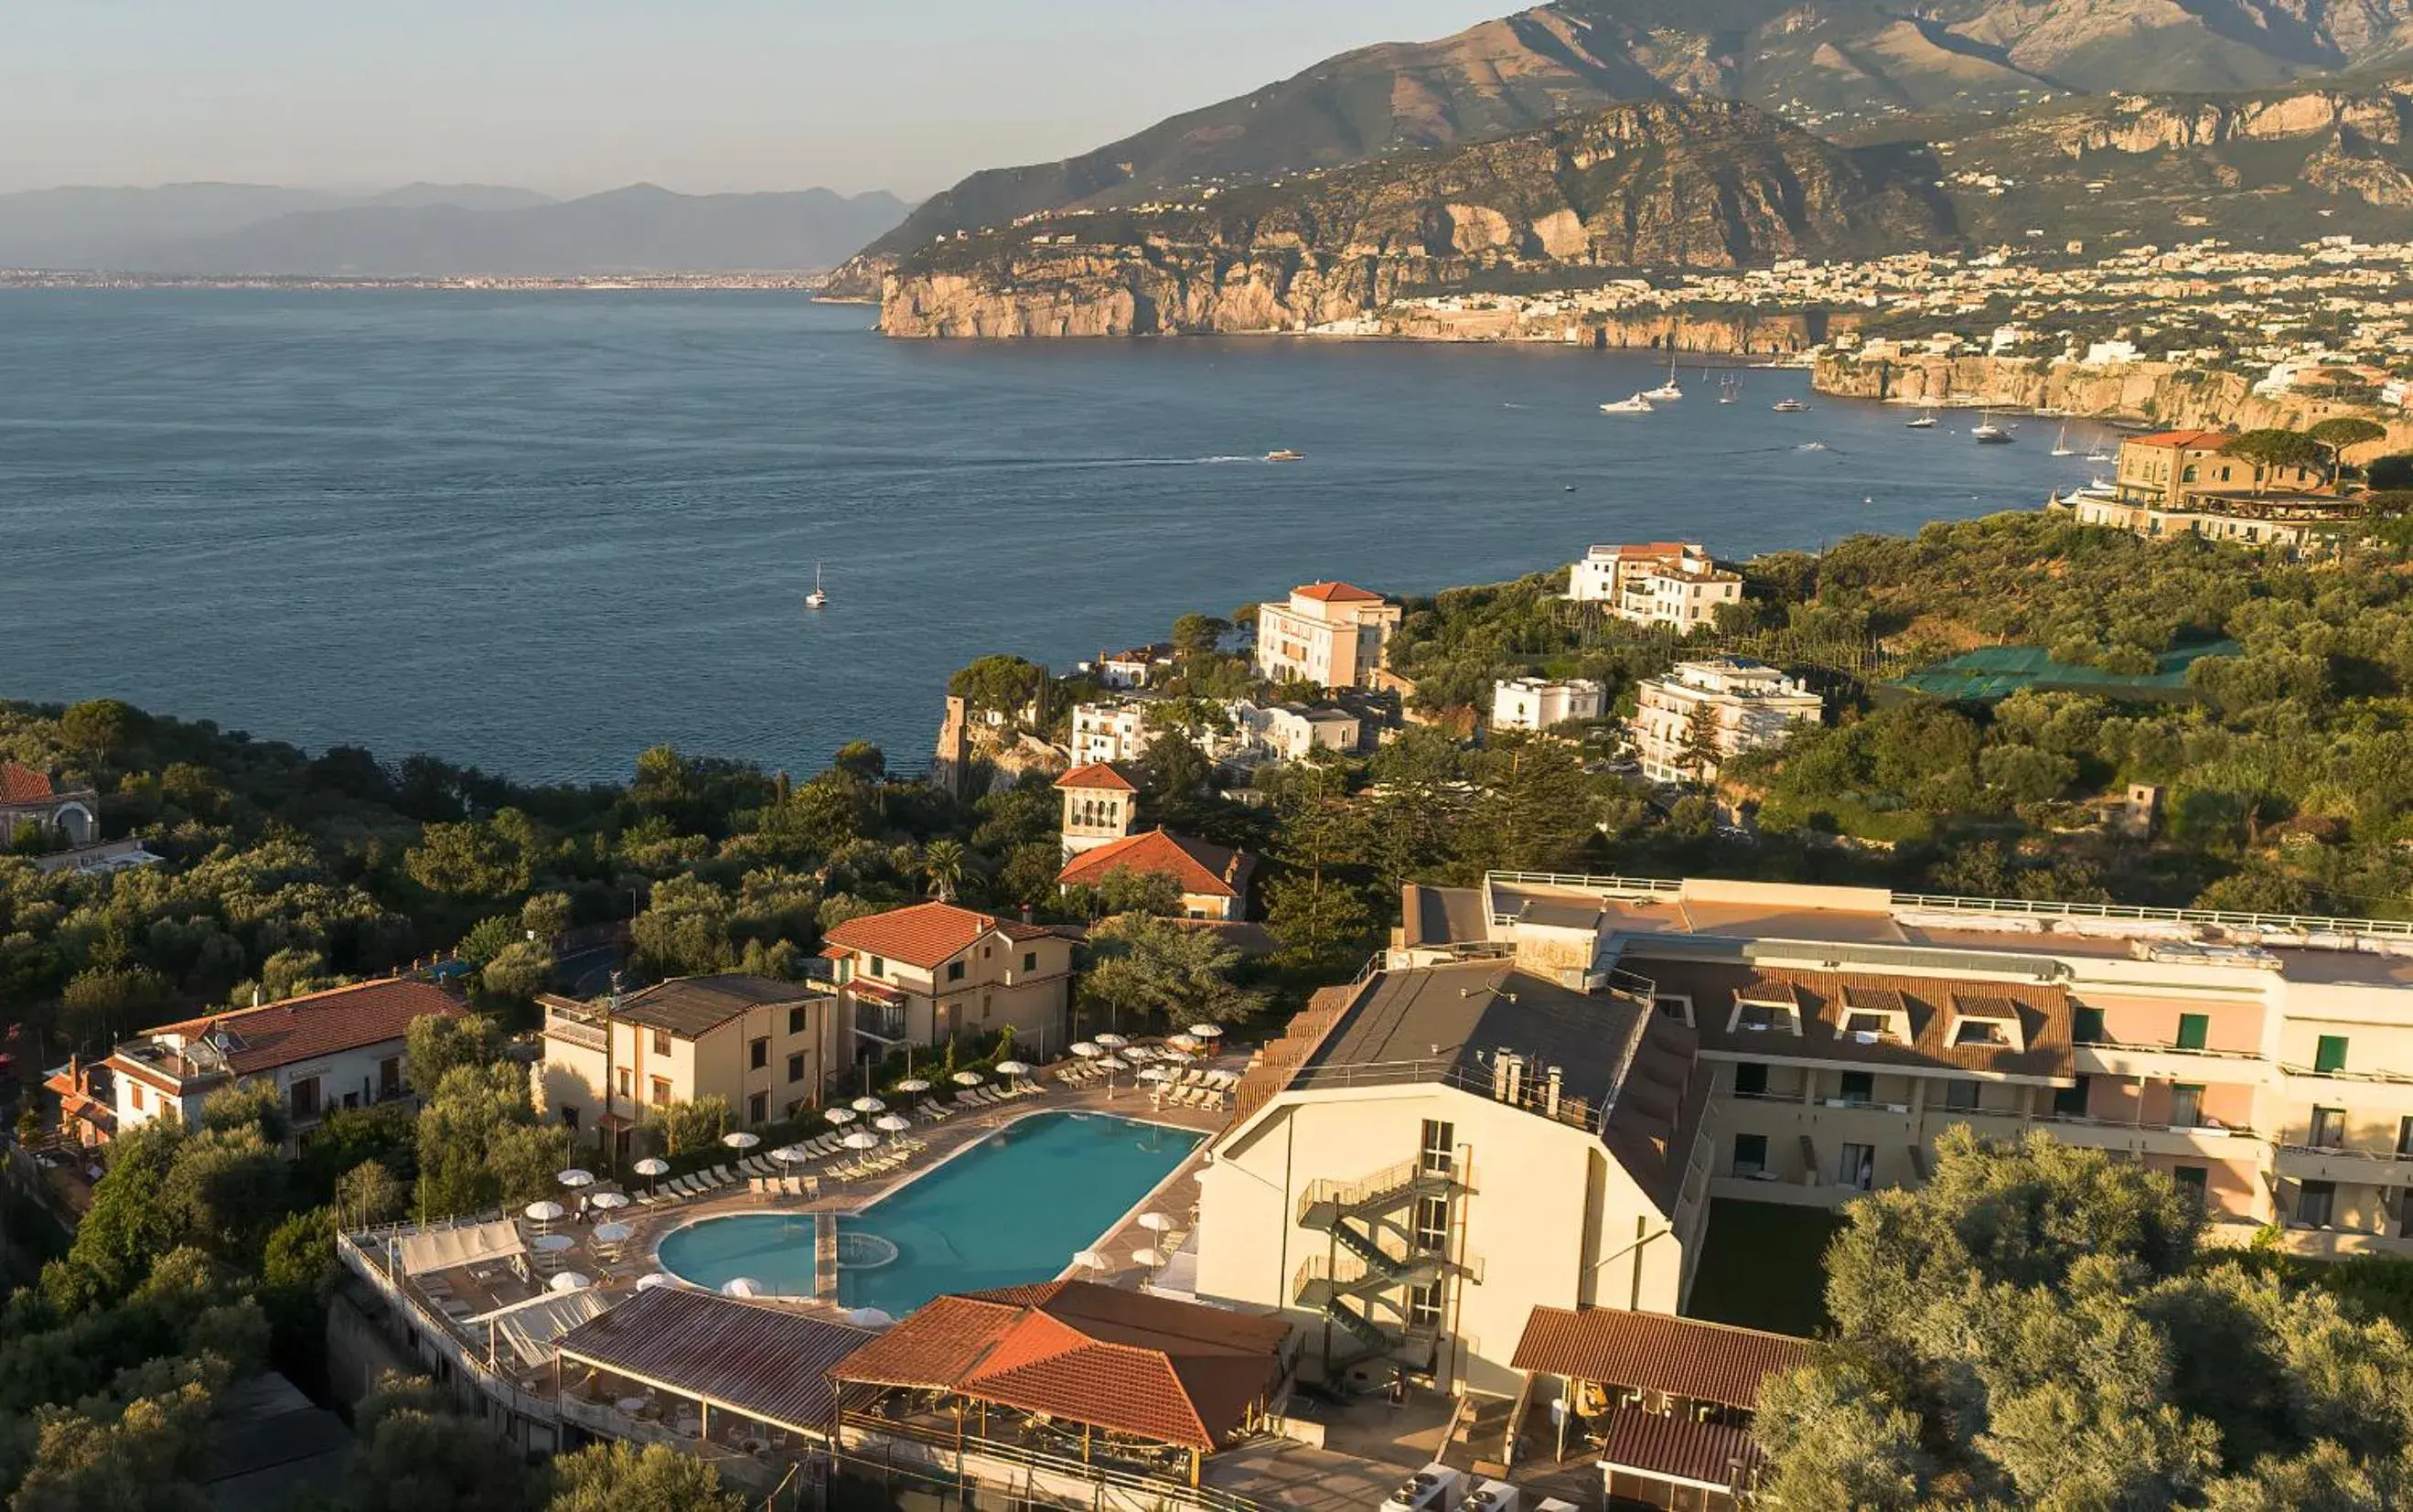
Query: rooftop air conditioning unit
(1430, 1489)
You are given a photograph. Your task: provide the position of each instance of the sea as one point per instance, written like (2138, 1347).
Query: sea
(538, 532)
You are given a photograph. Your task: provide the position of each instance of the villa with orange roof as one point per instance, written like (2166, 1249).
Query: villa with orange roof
(923, 974)
(2180, 482)
(340, 1049)
(1331, 634)
(1670, 583)
(1214, 881)
(31, 798)
(1101, 803)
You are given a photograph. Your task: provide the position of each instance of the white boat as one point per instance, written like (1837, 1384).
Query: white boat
(1789, 406)
(2098, 454)
(1668, 390)
(1730, 389)
(2061, 444)
(1638, 405)
(1285, 455)
(1926, 422)
(1986, 432)
(815, 598)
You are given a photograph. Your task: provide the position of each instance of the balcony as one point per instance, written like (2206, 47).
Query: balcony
(880, 1021)
(2354, 1168)
(563, 1029)
(2153, 1138)
(2374, 1090)
(2168, 1062)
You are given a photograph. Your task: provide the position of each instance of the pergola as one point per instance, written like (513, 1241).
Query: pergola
(1136, 1376)
(760, 1362)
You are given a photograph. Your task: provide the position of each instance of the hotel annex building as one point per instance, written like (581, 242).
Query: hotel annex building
(1530, 1098)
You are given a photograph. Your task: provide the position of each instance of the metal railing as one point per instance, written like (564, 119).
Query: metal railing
(930, 1448)
(2222, 918)
(2393, 1078)
(438, 1331)
(2149, 1048)
(1574, 1112)
(1397, 1177)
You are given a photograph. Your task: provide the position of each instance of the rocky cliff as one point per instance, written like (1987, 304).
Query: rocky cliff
(1705, 184)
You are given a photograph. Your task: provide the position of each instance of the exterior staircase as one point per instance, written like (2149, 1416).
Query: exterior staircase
(1364, 1286)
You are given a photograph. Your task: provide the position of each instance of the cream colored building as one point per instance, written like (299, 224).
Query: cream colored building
(922, 975)
(1330, 634)
(1101, 806)
(1747, 706)
(1537, 703)
(768, 1047)
(1113, 732)
(1669, 583)
(2308, 524)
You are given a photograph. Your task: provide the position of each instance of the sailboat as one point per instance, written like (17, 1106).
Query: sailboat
(2061, 447)
(1730, 389)
(1668, 390)
(815, 598)
(2098, 454)
(1987, 433)
(1926, 422)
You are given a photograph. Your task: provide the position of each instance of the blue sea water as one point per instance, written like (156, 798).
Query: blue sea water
(1012, 1210)
(541, 531)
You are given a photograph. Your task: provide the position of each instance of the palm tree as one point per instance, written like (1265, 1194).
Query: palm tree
(942, 861)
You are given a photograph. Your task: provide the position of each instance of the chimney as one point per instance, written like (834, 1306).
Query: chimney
(1551, 1093)
(1508, 1081)
(1026, 913)
(256, 999)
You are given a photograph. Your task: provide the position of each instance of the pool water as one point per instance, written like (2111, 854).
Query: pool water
(1012, 1210)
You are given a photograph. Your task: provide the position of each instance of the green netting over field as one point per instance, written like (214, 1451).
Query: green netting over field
(1996, 672)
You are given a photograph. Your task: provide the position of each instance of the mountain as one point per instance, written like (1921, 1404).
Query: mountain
(94, 226)
(1704, 183)
(641, 228)
(1827, 65)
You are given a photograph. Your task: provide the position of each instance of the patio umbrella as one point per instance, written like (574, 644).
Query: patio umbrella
(570, 1280)
(862, 1139)
(969, 1079)
(574, 1178)
(741, 1286)
(1208, 1032)
(891, 1123)
(1155, 1223)
(1138, 1052)
(868, 1104)
(1084, 1048)
(653, 1168)
(741, 1139)
(545, 1212)
(1112, 1042)
(914, 1084)
(1013, 1068)
(1182, 1042)
(1153, 1259)
(1090, 1260)
(1155, 1074)
(790, 1155)
(550, 1247)
(608, 1200)
(840, 1115)
(659, 1280)
(613, 1233)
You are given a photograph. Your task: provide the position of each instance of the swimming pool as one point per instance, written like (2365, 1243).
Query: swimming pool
(1009, 1211)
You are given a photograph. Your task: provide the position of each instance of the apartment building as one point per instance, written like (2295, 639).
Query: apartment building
(1727, 706)
(1330, 634)
(921, 975)
(1293, 731)
(1669, 583)
(1537, 703)
(1107, 733)
(340, 1049)
(766, 1047)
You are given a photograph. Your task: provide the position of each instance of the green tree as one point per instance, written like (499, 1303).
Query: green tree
(2272, 451)
(226, 1189)
(2340, 433)
(685, 929)
(415, 1454)
(434, 1045)
(620, 1477)
(546, 915)
(142, 1459)
(100, 728)
(253, 1105)
(1007, 686)
(684, 1128)
(478, 859)
(368, 1194)
(1317, 916)
(1142, 966)
(518, 972)
(128, 1226)
(480, 1145)
(1195, 636)
(1702, 753)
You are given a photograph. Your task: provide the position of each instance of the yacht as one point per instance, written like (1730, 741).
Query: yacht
(1986, 432)
(1286, 455)
(1668, 390)
(2061, 447)
(1638, 405)
(1789, 406)
(1926, 422)
(816, 599)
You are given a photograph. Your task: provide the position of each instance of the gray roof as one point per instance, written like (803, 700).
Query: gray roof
(690, 1006)
(270, 1441)
(751, 1358)
(1444, 916)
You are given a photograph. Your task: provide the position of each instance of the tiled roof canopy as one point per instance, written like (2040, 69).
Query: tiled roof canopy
(1337, 593)
(923, 935)
(1099, 776)
(319, 1023)
(22, 784)
(1655, 1352)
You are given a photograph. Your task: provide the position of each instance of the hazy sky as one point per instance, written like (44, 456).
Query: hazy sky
(695, 94)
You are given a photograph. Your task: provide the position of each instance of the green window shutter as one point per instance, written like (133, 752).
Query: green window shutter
(2086, 1026)
(2193, 1027)
(2330, 1054)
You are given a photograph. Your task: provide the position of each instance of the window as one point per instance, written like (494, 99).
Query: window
(661, 1090)
(757, 1053)
(1962, 1096)
(661, 1042)
(1858, 1167)
(1751, 1078)
(955, 971)
(2192, 1180)
(2070, 1101)
(1432, 1225)
(2330, 1055)
(2086, 1025)
(2187, 1107)
(305, 1098)
(875, 967)
(2193, 1030)
(796, 1067)
(2405, 1138)
(1859, 1087)
(1750, 1154)
(2315, 1201)
(1437, 1147)
(1871, 1025)
(1979, 1031)
(758, 1107)
(1424, 1305)
(390, 1077)
(795, 1020)
(1031, 960)
(135, 1091)
(627, 1077)
(2328, 1128)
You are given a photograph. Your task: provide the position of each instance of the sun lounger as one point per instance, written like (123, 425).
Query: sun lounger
(720, 1176)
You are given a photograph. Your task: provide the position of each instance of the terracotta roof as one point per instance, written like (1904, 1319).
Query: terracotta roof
(693, 1006)
(22, 784)
(2042, 1010)
(1335, 593)
(1194, 865)
(762, 1361)
(319, 1023)
(2215, 439)
(1177, 1372)
(1655, 1352)
(1679, 1447)
(1099, 776)
(923, 934)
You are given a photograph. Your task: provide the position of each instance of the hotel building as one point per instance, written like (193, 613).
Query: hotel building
(1330, 634)
(1745, 705)
(1536, 704)
(1670, 583)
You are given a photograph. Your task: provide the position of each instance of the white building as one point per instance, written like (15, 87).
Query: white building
(1290, 731)
(1747, 706)
(1103, 733)
(1330, 634)
(1670, 583)
(340, 1049)
(1135, 668)
(1534, 703)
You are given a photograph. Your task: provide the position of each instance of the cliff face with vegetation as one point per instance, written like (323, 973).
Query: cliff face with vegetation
(1660, 183)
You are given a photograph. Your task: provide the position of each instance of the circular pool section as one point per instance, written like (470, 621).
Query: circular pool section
(1012, 1210)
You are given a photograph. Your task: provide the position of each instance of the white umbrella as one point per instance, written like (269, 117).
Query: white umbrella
(741, 1286)
(1083, 1049)
(570, 1280)
(575, 1177)
(546, 1212)
(869, 1317)
(862, 1139)
(1150, 1258)
(1138, 1052)
(891, 1123)
(550, 1243)
(609, 1200)
(790, 1155)
(1090, 1260)
(613, 1233)
(914, 1084)
(1155, 1074)
(741, 1139)
(969, 1079)
(868, 1104)
(1208, 1032)
(653, 1168)
(1182, 1042)
(840, 1115)
(659, 1280)
(1155, 1223)
(1112, 1042)
(1012, 1068)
